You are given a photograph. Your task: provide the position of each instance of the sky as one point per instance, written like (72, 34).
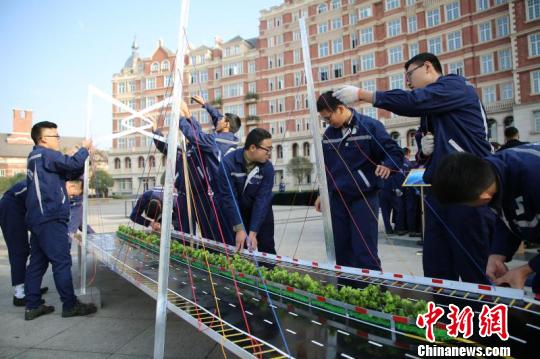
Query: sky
(50, 51)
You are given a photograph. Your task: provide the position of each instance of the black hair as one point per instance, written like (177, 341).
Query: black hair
(328, 102)
(511, 132)
(36, 129)
(234, 122)
(425, 57)
(461, 178)
(153, 210)
(256, 136)
(406, 150)
(495, 145)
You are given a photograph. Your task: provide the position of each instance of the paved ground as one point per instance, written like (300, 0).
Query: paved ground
(124, 327)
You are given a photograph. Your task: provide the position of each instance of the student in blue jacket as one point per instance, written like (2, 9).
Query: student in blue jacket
(358, 154)
(456, 237)
(508, 182)
(148, 211)
(74, 189)
(208, 149)
(245, 189)
(47, 216)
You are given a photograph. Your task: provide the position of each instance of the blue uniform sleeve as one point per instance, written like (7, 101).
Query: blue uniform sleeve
(214, 114)
(263, 201)
(196, 136)
(504, 242)
(136, 214)
(387, 148)
(227, 194)
(70, 167)
(440, 96)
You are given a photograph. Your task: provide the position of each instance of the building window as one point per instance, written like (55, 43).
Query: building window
(365, 12)
(533, 9)
(121, 87)
(165, 65)
(435, 45)
(534, 44)
(295, 150)
(536, 115)
(337, 46)
(353, 19)
(453, 40)
(336, 4)
(505, 59)
(412, 24)
(507, 91)
(323, 73)
(338, 70)
(396, 82)
(307, 149)
(486, 64)
(482, 5)
(395, 55)
(393, 27)
(369, 85)
(535, 82)
(279, 151)
(503, 26)
(117, 163)
(251, 67)
(354, 40)
(368, 62)
(122, 142)
(150, 83)
(151, 162)
(411, 140)
(433, 17)
(456, 68)
(413, 50)
(484, 31)
(323, 49)
(452, 11)
(489, 94)
(127, 162)
(322, 8)
(297, 56)
(354, 66)
(391, 4)
(167, 81)
(141, 162)
(337, 23)
(132, 86)
(154, 67)
(323, 27)
(366, 35)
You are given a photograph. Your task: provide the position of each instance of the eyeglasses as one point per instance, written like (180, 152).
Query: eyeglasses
(57, 136)
(267, 149)
(328, 118)
(409, 73)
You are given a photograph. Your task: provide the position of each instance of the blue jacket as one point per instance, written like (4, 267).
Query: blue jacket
(350, 158)
(245, 193)
(14, 198)
(179, 179)
(518, 199)
(212, 147)
(143, 202)
(47, 173)
(215, 115)
(76, 212)
(452, 112)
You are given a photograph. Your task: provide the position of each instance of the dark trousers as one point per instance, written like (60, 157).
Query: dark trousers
(355, 230)
(456, 243)
(387, 200)
(16, 236)
(49, 243)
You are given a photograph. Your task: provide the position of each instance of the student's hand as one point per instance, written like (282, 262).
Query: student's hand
(154, 125)
(428, 144)
(347, 94)
(87, 144)
(199, 100)
(398, 192)
(184, 110)
(253, 240)
(516, 277)
(240, 240)
(382, 171)
(156, 226)
(496, 267)
(318, 204)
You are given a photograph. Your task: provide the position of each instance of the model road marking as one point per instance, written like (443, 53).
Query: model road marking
(317, 343)
(205, 292)
(232, 305)
(255, 299)
(518, 339)
(346, 356)
(342, 332)
(248, 312)
(267, 321)
(291, 331)
(293, 314)
(315, 322)
(533, 326)
(375, 343)
(410, 356)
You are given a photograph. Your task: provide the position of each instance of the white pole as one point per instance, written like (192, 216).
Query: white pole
(82, 264)
(316, 133)
(165, 240)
